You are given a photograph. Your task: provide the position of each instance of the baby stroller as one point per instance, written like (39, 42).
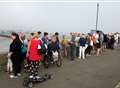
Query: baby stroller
(29, 82)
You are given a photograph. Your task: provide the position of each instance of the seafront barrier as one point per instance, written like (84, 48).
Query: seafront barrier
(2, 35)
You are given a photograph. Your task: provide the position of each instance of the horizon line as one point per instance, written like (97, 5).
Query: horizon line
(61, 1)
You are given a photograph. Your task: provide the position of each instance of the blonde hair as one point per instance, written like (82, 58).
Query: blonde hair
(36, 35)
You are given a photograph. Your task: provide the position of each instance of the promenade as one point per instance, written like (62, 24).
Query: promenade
(95, 72)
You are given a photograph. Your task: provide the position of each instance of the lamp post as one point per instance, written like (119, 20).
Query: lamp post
(97, 16)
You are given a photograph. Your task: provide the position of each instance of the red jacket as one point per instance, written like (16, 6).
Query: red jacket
(33, 51)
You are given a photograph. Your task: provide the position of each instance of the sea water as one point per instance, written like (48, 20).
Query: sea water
(4, 44)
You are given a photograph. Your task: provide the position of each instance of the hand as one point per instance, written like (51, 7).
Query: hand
(27, 55)
(9, 54)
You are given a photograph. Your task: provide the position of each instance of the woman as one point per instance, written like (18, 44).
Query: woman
(82, 47)
(26, 62)
(53, 48)
(24, 46)
(33, 55)
(54, 45)
(15, 53)
(65, 46)
(90, 45)
(98, 43)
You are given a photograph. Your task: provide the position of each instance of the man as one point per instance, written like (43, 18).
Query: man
(57, 35)
(101, 35)
(116, 37)
(72, 47)
(45, 39)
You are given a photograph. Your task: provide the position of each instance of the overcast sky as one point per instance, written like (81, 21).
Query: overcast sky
(59, 16)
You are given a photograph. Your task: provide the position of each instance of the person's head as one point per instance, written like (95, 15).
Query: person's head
(31, 36)
(46, 35)
(36, 35)
(83, 36)
(56, 33)
(14, 36)
(97, 32)
(39, 33)
(78, 35)
(63, 36)
(22, 35)
(53, 38)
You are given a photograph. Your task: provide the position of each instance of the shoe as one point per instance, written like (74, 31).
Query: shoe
(31, 76)
(13, 77)
(79, 57)
(19, 74)
(72, 59)
(37, 77)
(51, 62)
(88, 55)
(83, 58)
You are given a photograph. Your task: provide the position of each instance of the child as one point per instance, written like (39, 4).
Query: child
(9, 64)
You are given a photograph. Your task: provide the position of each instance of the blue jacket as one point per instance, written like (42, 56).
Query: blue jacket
(82, 41)
(53, 47)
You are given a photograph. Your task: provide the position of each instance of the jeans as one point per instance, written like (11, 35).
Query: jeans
(15, 58)
(82, 52)
(72, 51)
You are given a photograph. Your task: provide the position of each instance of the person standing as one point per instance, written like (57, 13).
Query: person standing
(72, 47)
(112, 42)
(65, 46)
(101, 39)
(34, 57)
(82, 47)
(23, 48)
(57, 36)
(90, 45)
(45, 39)
(15, 54)
(116, 37)
(77, 45)
(97, 45)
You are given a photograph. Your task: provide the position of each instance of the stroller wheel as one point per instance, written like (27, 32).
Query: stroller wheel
(45, 61)
(59, 63)
(46, 64)
(30, 85)
(27, 83)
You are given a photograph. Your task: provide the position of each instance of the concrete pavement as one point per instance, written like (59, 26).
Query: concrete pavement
(94, 72)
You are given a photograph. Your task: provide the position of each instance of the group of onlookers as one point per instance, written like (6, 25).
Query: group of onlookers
(82, 45)
(76, 46)
(30, 52)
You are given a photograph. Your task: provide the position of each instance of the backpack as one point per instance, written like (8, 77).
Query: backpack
(23, 48)
(64, 42)
(42, 48)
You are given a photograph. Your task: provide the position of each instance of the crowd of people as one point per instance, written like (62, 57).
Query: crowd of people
(31, 52)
